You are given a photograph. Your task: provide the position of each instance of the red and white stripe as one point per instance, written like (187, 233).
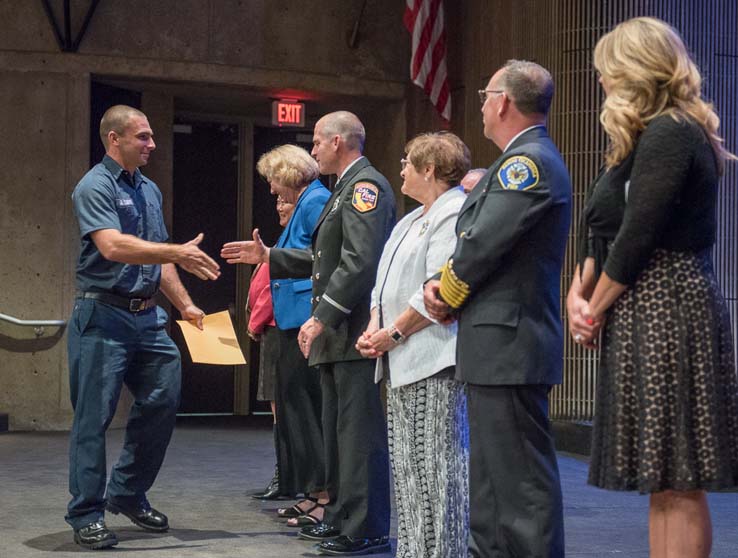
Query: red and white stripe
(424, 21)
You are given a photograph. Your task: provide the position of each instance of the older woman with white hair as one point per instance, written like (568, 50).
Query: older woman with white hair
(427, 428)
(293, 175)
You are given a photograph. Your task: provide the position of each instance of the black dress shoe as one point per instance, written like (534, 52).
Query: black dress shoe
(319, 532)
(271, 492)
(95, 536)
(349, 546)
(147, 518)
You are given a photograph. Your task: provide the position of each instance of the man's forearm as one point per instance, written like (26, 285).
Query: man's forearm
(172, 287)
(128, 249)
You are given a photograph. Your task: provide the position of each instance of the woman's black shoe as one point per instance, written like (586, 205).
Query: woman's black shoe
(271, 492)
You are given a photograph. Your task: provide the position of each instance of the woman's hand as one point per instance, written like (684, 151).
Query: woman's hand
(584, 328)
(365, 347)
(363, 343)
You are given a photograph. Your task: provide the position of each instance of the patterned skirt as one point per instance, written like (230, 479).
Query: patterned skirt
(429, 453)
(666, 412)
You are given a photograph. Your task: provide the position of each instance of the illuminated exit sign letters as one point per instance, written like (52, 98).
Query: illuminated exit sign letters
(288, 113)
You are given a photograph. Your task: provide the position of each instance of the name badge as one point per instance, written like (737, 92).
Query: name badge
(124, 202)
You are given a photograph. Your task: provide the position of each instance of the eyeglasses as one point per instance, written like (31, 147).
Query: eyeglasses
(404, 163)
(483, 93)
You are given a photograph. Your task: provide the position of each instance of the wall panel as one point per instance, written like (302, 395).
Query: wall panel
(561, 35)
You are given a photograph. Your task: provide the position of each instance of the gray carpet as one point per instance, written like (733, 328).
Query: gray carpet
(211, 466)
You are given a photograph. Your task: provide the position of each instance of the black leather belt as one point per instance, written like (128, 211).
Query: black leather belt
(134, 305)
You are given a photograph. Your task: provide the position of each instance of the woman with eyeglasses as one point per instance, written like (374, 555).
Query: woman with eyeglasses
(427, 428)
(292, 174)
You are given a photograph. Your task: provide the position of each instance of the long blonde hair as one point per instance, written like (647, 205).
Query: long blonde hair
(648, 72)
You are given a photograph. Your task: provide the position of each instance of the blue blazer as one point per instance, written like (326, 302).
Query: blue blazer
(291, 297)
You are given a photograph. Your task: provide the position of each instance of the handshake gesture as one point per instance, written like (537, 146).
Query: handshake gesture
(246, 251)
(192, 259)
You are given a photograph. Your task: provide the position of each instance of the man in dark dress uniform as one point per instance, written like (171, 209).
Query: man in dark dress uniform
(117, 333)
(502, 283)
(347, 243)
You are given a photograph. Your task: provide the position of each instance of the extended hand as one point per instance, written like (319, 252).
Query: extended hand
(192, 259)
(434, 304)
(308, 332)
(245, 251)
(193, 314)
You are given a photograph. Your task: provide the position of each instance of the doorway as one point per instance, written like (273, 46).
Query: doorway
(205, 198)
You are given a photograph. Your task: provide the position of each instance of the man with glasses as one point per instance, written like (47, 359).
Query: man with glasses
(502, 283)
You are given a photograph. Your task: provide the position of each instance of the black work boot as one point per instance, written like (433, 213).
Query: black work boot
(95, 536)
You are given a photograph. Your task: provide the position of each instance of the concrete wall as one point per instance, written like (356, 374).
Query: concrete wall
(45, 150)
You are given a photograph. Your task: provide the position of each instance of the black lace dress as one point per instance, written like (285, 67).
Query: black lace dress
(666, 414)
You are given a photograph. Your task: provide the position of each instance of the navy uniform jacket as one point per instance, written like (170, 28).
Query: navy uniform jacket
(505, 273)
(347, 242)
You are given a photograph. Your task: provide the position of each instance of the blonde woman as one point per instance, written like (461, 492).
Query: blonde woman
(292, 174)
(667, 400)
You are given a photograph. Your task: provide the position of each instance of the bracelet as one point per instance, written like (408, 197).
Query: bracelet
(395, 334)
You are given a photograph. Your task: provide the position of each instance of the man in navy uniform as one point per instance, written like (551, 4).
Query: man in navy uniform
(347, 243)
(502, 283)
(117, 332)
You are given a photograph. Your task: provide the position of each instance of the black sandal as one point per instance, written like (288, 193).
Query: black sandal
(306, 518)
(296, 510)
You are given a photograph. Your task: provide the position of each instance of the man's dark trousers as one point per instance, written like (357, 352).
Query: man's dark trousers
(109, 346)
(357, 458)
(514, 490)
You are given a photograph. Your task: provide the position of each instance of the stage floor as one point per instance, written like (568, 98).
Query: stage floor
(214, 463)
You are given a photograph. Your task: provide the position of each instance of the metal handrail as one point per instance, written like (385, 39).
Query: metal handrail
(38, 325)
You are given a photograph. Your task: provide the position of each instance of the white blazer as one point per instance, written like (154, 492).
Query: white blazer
(415, 251)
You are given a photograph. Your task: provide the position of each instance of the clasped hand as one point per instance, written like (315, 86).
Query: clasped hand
(584, 327)
(435, 305)
(374, 342)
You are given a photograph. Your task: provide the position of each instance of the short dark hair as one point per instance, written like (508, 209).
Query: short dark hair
(529, 85)
(347, 125)
(115, 120)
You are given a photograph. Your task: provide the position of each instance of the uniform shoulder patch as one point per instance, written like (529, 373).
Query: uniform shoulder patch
(365, 197)
(518, 173)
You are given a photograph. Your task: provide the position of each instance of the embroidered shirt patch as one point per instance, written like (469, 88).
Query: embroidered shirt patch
(365, 197)
(518, 173)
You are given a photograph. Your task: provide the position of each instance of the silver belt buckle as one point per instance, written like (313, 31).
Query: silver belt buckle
(135, 305)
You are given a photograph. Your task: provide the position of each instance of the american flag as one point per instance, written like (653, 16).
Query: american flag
(424, 21)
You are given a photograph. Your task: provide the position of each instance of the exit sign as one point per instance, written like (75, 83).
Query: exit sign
(288, 113)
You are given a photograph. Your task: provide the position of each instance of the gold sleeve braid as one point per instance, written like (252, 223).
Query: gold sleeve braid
(453, 290)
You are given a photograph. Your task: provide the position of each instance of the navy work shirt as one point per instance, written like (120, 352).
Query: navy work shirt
(108, 197)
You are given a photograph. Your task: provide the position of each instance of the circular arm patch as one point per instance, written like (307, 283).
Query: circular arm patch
(518, 173)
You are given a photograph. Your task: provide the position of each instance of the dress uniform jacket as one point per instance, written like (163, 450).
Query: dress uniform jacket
(504, 275)
(347, 243)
